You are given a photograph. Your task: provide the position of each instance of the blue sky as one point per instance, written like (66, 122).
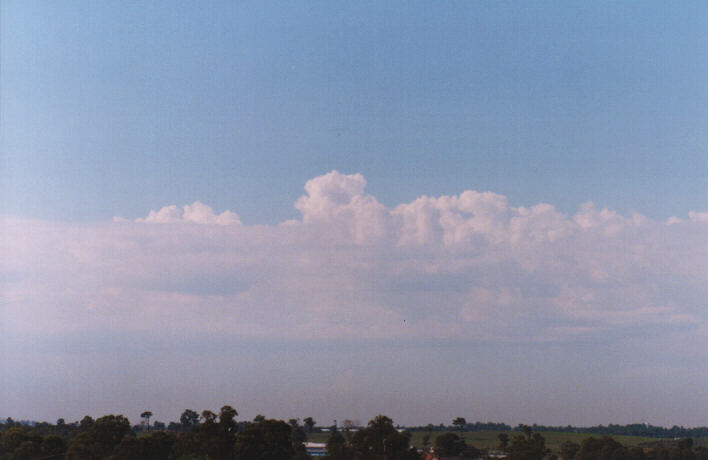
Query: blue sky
(319, 205)
(112, 108)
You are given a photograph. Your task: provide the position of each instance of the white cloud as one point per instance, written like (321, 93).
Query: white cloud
(698, 216)
(197, 213)
(337, 203)
(449, 267)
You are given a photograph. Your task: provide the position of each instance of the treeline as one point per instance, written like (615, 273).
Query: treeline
(219, 436)
(197, 437)
(531, 446)
(208, 436)
(634, 429)
(607, 448)
(477, 426)
(639, 429)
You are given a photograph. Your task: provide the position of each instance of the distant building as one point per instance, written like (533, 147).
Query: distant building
(316, 449)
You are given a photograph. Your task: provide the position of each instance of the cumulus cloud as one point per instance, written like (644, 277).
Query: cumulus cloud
(197, 213)
(450, 267)
(337, 203)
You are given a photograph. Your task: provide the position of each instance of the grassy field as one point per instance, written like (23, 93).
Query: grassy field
(489, 439)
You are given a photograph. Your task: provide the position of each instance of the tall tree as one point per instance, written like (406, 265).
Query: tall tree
(146, 416)
(460, 423)
(309, 424)
(381, 440)
(227, 420)
(189, 419)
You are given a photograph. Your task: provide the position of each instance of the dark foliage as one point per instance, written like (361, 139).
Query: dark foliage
(98, 439)
(449, 445)
(381, 441)
(218, 436)
(531, 446)
(265, 440)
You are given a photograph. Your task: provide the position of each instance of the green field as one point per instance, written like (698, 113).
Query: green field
(489, 440)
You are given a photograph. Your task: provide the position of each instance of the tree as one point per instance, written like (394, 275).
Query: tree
(337, 448)
(449, 445)
(309, 424)
(426, 440)
(99, 440)
(460, 423)
(531, 447)
(19, 443)
(53, 445)
(157, 425)
(348, 424)
(503, 441)
(605, 448)
(208, 416)
(227, 415)
(298, 434)
(146, 416)
(526, 430)
(86, 423)
(568, 450)
(381, 440)
(156, 446)
(189, 419)
(265, 440)
(28, 450)
(207, 439)
(259, 418)
(128, 447)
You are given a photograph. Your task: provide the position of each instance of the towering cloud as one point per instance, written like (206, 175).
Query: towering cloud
(337, 203)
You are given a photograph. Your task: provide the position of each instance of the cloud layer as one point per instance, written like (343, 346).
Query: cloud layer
(463, 267)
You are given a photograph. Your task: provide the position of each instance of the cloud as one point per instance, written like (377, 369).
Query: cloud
(698, 216)
(197, 213)
(337, 204)
(460, 267)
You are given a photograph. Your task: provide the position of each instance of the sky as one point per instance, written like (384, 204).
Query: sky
(495, 210)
